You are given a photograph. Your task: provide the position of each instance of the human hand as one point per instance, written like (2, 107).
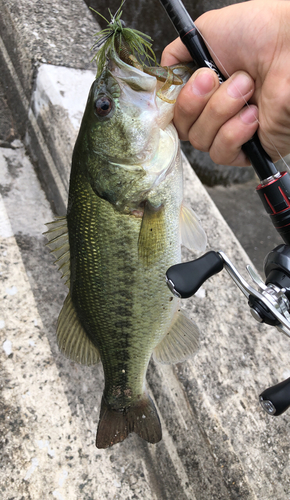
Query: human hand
(251, 41)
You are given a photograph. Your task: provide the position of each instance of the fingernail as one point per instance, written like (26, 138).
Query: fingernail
(203, 83)
(249, 115)
(239, 86)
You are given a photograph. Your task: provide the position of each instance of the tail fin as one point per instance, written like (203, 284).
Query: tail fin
(115, 425)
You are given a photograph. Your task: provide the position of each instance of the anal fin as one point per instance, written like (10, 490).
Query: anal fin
(72, 339)
(180, 343)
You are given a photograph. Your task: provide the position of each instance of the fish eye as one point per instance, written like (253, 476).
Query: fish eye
(103, 106)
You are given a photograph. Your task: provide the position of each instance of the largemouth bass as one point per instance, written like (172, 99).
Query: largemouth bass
(123, 229)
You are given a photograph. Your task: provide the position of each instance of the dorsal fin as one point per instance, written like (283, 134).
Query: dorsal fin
(58, 244)
(72, 339)
(180, 343)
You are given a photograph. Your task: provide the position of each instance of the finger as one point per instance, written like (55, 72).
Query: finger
(175, 53)
(226, 147)
(229, 54)
(225, 103)
(193, 99)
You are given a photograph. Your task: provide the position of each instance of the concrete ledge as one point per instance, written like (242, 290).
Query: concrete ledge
(51, 32)
(217, 442)
(57, 105)
(33, 33)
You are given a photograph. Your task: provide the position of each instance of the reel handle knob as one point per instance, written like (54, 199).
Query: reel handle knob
(186, 278)
(276, 400)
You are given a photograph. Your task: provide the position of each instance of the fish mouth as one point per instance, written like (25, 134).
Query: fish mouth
(129, 75)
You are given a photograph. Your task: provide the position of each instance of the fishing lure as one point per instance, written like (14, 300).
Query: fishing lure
(116, 35)
(134, 48)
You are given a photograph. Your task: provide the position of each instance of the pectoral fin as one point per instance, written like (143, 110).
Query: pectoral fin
(193, 236)
(180, 343)
(152, 234)
(72, 339)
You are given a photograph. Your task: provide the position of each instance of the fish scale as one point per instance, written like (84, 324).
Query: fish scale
(128, 336)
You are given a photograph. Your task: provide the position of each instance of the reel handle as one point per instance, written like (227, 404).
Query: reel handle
(276, 400)
(269, 304)
(186, 278)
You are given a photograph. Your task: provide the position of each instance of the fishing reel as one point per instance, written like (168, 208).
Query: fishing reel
(269, 302)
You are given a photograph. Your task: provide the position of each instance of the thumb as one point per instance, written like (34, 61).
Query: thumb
(225, 32)
(235, 35)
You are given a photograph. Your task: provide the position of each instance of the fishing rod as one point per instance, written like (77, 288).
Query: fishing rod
(270, 303)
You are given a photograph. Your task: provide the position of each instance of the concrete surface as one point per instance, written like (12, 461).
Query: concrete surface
(57, 102)
(7, 127)
(212, 174)
(51, 32)
(217, 443)
(35, 32)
